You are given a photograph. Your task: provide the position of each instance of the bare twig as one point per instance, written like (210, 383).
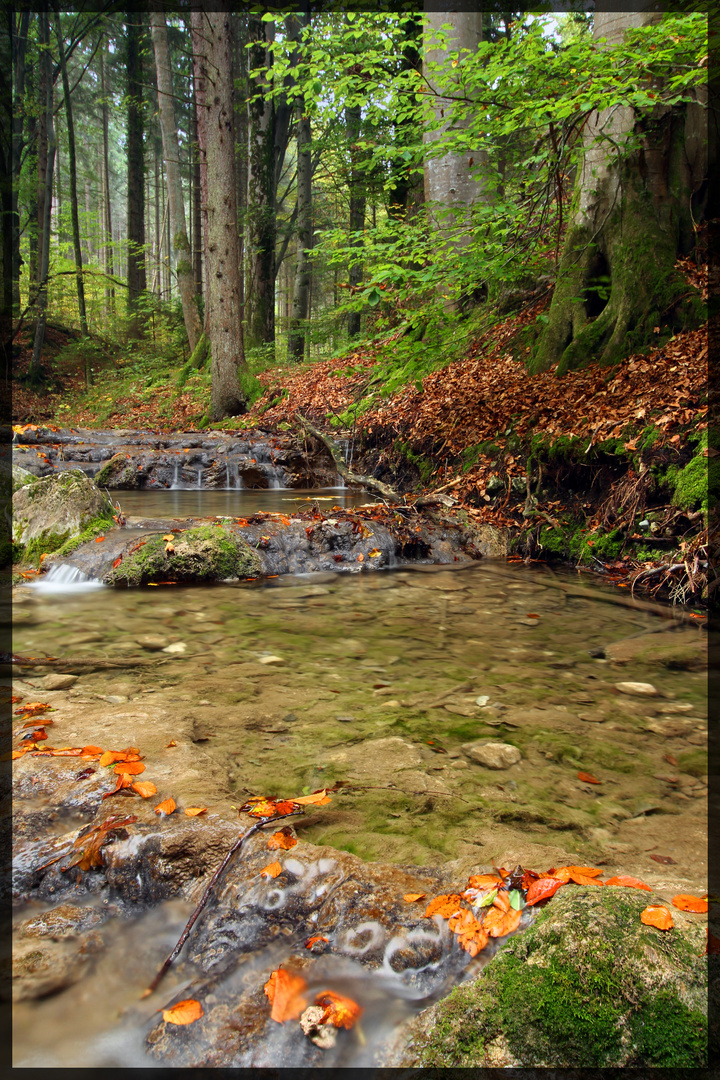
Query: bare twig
(347, 474)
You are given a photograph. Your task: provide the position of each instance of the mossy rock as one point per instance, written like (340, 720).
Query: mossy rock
(21, 478)
(586, 985)
(207, 553)
(56, 511)
(118, 472)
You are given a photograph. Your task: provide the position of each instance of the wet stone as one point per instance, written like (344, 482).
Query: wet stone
(493, 755)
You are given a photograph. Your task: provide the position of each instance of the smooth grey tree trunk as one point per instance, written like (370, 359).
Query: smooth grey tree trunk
(34, 371)
(136, 272)
(107, 223)
(212, 56)
(357, 210)
(171, 153)
(301, 285)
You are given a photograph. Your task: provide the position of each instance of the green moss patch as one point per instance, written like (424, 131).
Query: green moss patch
(208, 553)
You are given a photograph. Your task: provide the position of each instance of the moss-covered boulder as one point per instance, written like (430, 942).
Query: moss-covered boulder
(21, 477)
(119, 472)
(58, 510)
(586, 985)
(207, 553)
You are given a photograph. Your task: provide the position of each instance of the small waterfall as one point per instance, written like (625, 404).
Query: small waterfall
(200, 475)
(228, 484)
(176, 477)
(62, 577)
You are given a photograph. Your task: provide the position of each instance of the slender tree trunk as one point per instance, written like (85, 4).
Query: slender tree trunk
(107, 224)
(41, 161)
(157, 278)
(34, 372)
(73, 187)
(136, 274)
(301, 291)
(240, 73)
(616, 279)
(261, 214)
(212, 53)
(357, 209)
(199, 93)
(197, 203)
(171, 153)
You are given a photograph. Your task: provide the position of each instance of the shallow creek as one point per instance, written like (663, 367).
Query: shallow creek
(381, 680)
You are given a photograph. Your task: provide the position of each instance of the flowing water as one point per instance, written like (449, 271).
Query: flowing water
(236, 502)
(379, 679)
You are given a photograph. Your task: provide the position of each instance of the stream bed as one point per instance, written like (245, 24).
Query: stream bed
(394, 683)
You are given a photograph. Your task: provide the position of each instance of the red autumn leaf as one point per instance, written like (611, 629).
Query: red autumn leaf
(685, 902)
(670, 760)
(99, 539)
(627, 882)
(664, 859)
(185, 1012)
(282, 840)
(117, 561)
(588, 778)
(542, 889)
(284, 991)
(341, 1012)
(658, 916)
(314, 940)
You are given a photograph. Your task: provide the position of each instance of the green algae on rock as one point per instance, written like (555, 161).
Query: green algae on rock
(587, 984)
(207, 553)
(57, 513)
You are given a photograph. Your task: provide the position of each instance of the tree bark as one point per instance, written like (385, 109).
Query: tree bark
(357, 209)
(77, 249)
(260, 300)
(616, 278)
(196, 204)
(136, 275)
(171, 153)
(107, 223)
(34, 371)
(212, 54)
(301, 284)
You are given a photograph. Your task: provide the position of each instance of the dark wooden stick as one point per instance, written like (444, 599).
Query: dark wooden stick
(206, 896)
(348, 474)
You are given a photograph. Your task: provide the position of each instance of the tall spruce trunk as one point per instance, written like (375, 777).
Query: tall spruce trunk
(301, 285)
(19, 53)
(640, 180)
(136, 274)
(213, 64)
(107, 222)
(77, 247)
(34, 371)
(171, 153)
(357, 210)
(261, 214)
(196, 203)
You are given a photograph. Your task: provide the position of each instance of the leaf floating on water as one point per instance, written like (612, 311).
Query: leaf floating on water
(664, 859)
(134, 767)
(499, 923)
(89, 844)
(194, 811)
(272, 870)
(588, 778)
(167, 806)
(185, 1012)
(282, 840)
(685, 902)
(657, 915)
(628, 882)
(542, 889)
(341, 1012)
(284, 991)
(469, 932)
(411, 897)
(145, 788)
(317, 798)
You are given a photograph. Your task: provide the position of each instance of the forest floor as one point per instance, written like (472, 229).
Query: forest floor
(606, 467)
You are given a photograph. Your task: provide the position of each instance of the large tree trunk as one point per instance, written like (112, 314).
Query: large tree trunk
(212, 55)
(301, 284)
(357, 209)
(260, 301)
(171, 153)
(77, 250)
(136, 276)
(632, 216)
(34, 372)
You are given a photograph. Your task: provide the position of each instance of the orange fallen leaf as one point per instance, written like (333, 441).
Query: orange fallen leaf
(360, 557)
(341, 1012)
(99, 539)
(477, 881)
(169, 547)
(117, 562)
(171, 743)
(411, 897)
(282, 840)
(90, 751)
(542, 889)
(166, 806)
(284, 990)
(144, 787)
(447, 905)
(193, 811)
(627, 882)
(657, 915)
(318, 798)
(685, 902)
(111, 756)
(588, 778)
(567, 873)
(498, 923)
(169, 537)
(314, 940)
(134, 767)
(272, 870)
(33, 707)
(185, 1012)
(123, 780)
(502, 900)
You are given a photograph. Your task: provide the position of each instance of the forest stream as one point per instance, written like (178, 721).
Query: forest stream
(393, 682)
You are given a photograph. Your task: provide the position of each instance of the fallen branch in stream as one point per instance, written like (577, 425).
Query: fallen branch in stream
(208, 891)
(347, 474)
(77, 661)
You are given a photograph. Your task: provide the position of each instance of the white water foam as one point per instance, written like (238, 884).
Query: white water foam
(63, 578)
